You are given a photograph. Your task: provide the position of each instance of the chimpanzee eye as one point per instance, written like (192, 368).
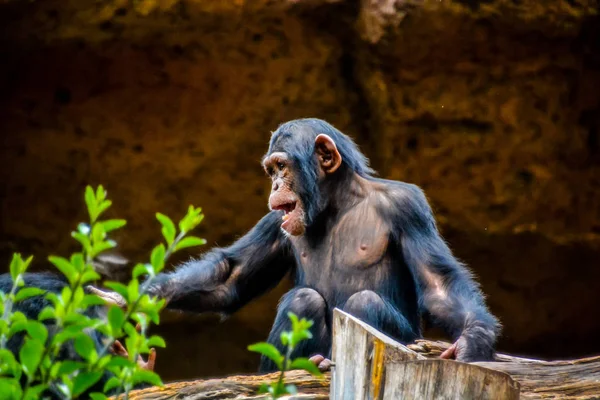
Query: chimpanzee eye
(280, 165)
(269, 171)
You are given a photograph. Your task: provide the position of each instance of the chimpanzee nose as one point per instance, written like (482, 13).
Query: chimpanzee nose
(275, 186)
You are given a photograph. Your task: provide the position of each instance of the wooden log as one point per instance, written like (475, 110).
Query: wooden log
(559, 380)
(239, 387)
(370, 365)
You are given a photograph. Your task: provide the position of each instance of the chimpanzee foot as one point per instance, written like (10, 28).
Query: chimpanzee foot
(324, 364)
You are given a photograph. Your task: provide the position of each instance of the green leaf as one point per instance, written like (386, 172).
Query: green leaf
(98, 233)
(191, 220)
(17, 326)
(11, 388)
(85, 380)
(133, 290)
(100, 194)
(34, 392)
(168, 228)
(90, 202)
(116, 317)
(104, 206)
(81, 321)
(65, 267)
(264, 388)
(119, 362)
(189, 241)
(142, 269)
(100, 247)
(91, 300)
(146, 376)
(157, 259)
(66, 294)
(37, 331)
(28, 292)
(117, 287)
(98, 396)
(305, 364)
(89, 276)
(84, 240)
(15, 266)
(84, 345)
(30, 356)
(68, 367)
(77, 296)
(9, 364)
(18, 316)
(294, 318)
(156, 341)
(111, 384)
(285, 337)
(78, 261)
(47, 313)
(113, 224)
(268, 350)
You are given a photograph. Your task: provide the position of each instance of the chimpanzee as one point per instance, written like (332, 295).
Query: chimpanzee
(31, 307)
(366, 245)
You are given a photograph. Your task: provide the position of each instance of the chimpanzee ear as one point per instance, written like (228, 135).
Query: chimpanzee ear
(327, 153)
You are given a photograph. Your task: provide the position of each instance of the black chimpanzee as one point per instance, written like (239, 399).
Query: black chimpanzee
(368, 246)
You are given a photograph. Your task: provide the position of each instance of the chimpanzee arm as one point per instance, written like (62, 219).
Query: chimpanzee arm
(225, 279)
(448, 293)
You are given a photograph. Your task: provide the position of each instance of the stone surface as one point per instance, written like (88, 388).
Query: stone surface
(492, 107)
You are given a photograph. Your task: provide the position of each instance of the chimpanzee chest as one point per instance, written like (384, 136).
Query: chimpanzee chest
(352, 255)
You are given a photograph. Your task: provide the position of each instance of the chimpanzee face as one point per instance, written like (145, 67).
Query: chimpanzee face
(283, 196)
(289, 190)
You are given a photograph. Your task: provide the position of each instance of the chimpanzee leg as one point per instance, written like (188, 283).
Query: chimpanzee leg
(371, 308)
(305, 303)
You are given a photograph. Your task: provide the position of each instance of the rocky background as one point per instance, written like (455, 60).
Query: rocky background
(492, 106)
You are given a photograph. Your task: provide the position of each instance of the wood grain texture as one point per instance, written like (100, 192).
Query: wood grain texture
(370, 365)
(444, 379)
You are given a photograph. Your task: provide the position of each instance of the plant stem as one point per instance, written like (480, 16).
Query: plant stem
(8, 309)
(171, 248)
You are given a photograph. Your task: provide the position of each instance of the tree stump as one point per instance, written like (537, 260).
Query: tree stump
(370, 365)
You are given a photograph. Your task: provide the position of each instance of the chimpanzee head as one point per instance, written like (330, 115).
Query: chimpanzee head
(306, 158)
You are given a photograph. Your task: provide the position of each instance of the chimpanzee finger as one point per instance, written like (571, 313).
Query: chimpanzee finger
(151, 360)
(325, 365)
(316, 359)
(110, 298)
(119, 350)
(449, 353)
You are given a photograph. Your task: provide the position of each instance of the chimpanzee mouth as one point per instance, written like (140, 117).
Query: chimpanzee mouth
(287, 208)
(292, 220)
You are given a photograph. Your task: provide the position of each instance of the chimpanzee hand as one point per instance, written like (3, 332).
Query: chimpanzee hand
(119, 350)
(471, 347)
(113, 298)
(324, 364)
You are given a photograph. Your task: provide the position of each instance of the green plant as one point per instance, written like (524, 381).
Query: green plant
(290, 339)
(37, 366)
